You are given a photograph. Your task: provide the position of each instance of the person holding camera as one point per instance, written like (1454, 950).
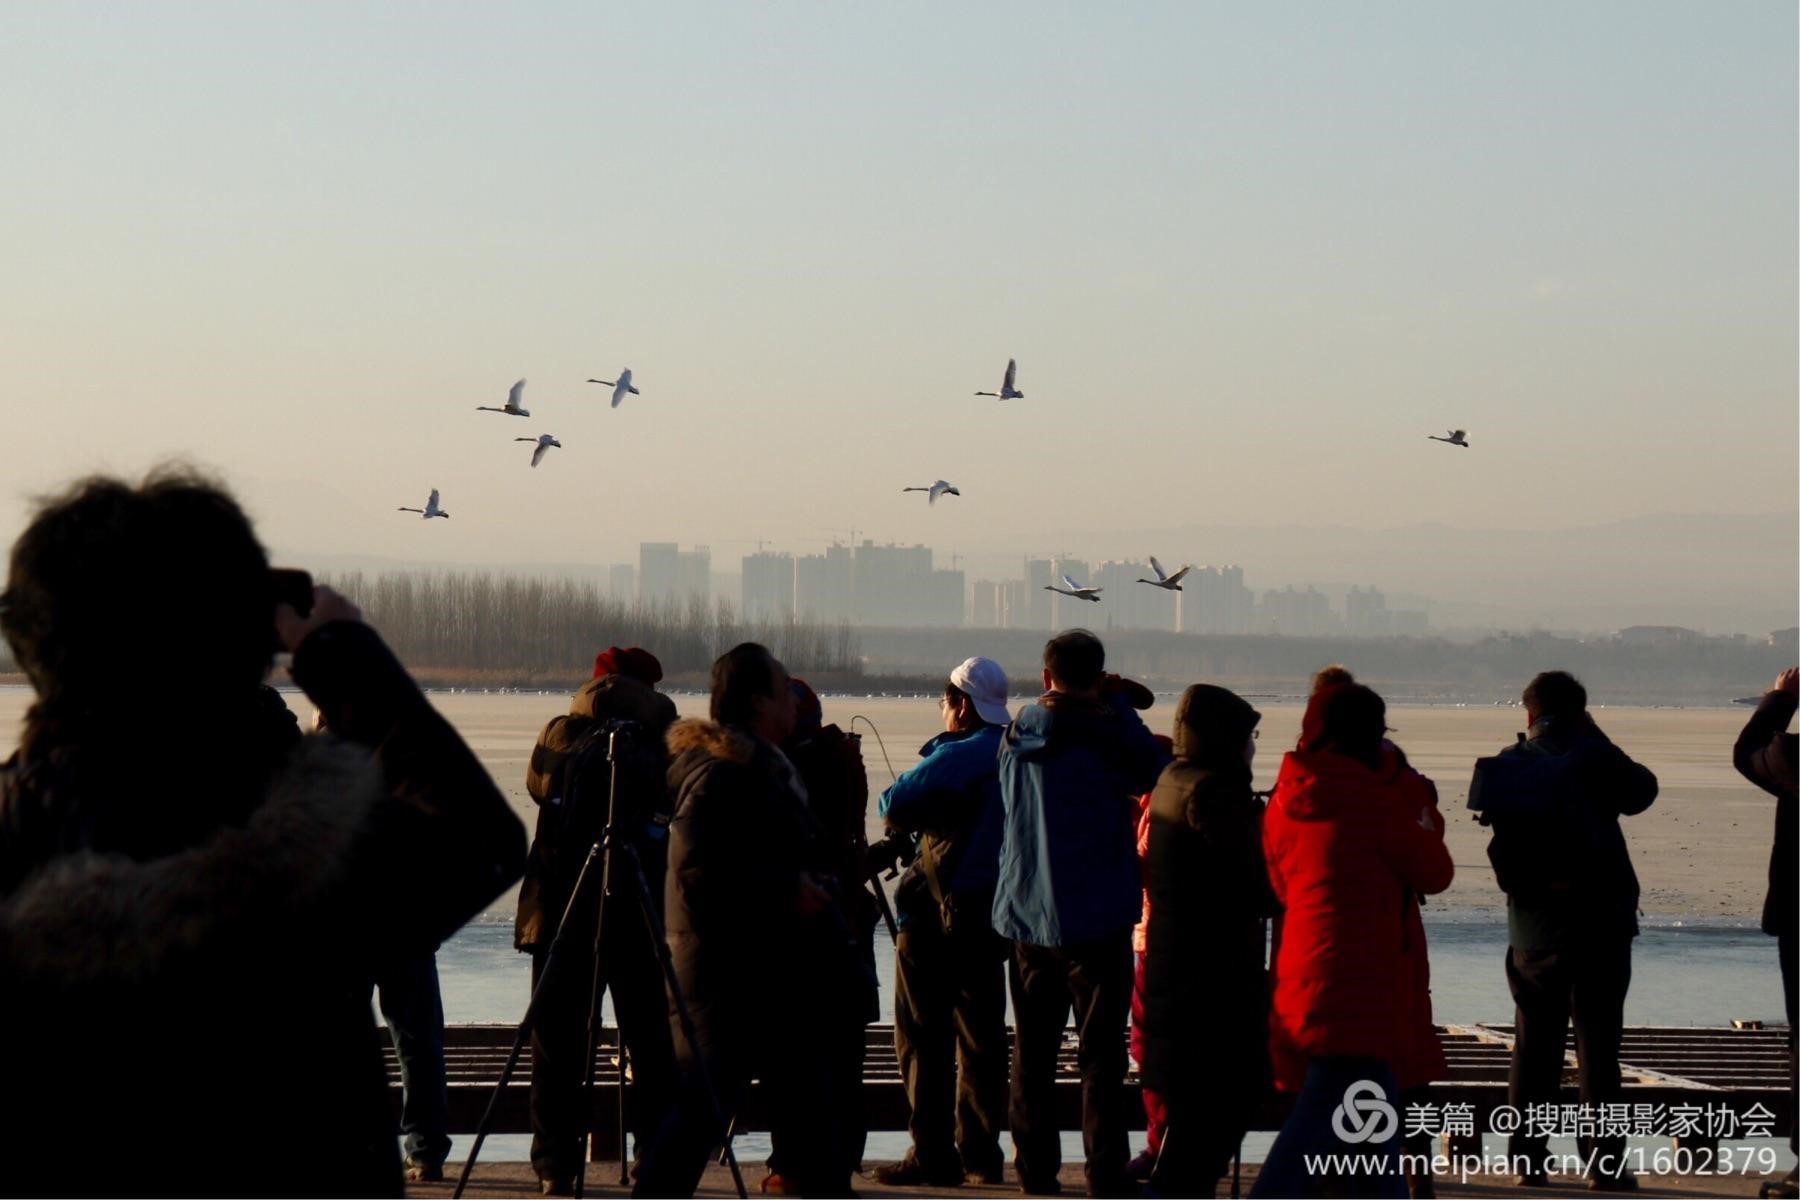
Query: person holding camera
(206, 899)
(1068, 893)
(949, 964)
(570, 779)
(763, 955)
(1767, 753)
(1553, 801)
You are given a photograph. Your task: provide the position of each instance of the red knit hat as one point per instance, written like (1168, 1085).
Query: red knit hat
(636, 662)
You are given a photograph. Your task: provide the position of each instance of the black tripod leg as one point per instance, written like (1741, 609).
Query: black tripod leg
(730, 1132)
(525, 1024)
(646, 905)
(624, 1158)
(597, 990)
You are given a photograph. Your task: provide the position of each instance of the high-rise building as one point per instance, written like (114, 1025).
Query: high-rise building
(694, 569)
(1067, 612)
(1129, 604)
(1034, 611)
(1215, 600)
(1296, 613)
(945, 606)
(768, 586)
(822, 584)
(621, 583)
(987, 604)
(891, 585)
(1011, 612)
(659, 573)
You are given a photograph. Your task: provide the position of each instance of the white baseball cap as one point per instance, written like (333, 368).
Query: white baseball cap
(984, 681)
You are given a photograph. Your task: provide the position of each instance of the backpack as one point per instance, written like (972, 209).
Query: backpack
(584, 790)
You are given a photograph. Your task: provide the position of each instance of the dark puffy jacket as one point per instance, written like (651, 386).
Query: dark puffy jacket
(1206, 999)
(563, 835)
(234, 967)
(837, 797)
(739, 844)
(1070, 770)
(1346, 843)
(1557, 849)
(831, 768)
(1766, 755)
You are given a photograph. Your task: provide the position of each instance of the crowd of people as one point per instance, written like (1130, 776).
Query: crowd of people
(206, 894)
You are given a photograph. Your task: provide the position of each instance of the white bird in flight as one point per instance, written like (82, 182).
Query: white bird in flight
(621, 387)
(1164, 579)
(940, 488)
(511, 408)
(1007, 390)
(1456, 438)
(431, 508)
(544, 442)
(1071, 588)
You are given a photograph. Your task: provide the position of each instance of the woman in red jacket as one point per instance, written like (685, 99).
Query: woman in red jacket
(1351, 835)
(1421, 1058)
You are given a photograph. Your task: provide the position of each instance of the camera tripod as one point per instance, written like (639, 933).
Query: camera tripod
(605, 851)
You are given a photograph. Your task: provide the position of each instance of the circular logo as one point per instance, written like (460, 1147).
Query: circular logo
(1365, 1115)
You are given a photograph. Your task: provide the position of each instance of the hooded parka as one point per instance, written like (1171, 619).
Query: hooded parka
(1349, 846)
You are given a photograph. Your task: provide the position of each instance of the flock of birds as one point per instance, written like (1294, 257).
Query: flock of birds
(1164, 580)
(1009, 390)
(542, 443)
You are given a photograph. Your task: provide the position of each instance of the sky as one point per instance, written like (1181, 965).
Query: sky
(1247, 257)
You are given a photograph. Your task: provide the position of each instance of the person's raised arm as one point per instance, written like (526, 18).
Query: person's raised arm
(1413, 844)
(926, 796)
(443, 844)
(1139, 754)
(1759, 754)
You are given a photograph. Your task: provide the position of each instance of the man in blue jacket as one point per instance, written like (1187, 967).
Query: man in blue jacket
(1068, 894)
(949, 973)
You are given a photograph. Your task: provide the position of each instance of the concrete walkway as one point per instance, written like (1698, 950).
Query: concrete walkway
(516, 1179)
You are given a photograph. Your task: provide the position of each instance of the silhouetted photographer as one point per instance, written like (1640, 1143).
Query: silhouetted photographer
(761, 949)
(1553, 801)
(193, 899)
(606, 751)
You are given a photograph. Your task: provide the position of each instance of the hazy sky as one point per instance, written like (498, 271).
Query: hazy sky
(1247, 255)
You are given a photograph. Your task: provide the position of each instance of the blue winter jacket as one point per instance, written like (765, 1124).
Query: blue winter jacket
(954, 792)
(1070, 770)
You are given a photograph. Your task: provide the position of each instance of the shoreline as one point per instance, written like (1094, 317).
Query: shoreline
(833, 686)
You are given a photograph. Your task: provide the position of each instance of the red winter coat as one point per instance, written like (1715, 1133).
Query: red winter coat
(1349, 850)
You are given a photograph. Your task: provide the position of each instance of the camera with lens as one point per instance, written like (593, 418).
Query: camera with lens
(891, 854)
(621, 734)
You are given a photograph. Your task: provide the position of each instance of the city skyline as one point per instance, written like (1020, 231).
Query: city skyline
(878, 584)
(1719, 575)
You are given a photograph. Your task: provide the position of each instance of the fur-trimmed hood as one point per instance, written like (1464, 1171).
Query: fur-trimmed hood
(712, 739)
(93, 917)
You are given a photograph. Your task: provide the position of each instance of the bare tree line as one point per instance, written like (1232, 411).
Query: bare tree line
(486, 625)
